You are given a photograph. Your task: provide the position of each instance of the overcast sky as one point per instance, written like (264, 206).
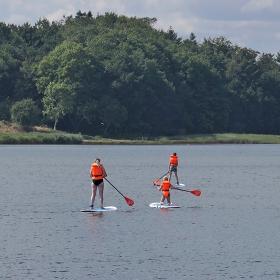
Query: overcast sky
(249, 23)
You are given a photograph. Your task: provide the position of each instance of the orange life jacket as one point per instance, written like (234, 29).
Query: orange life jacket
(96, 171)
(173, 160)
(165, 186)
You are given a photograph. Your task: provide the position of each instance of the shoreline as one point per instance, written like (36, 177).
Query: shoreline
(223, 138)
(19, 138)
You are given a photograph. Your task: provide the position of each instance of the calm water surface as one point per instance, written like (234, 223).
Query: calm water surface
(230, 232)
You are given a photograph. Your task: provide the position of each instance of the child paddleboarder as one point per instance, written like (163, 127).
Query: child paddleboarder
(165, 189)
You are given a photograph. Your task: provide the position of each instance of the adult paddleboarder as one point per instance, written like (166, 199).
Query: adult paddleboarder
(173, 166)
(97, 174)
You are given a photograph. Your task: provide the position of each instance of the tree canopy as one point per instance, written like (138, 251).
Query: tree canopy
(119, 76)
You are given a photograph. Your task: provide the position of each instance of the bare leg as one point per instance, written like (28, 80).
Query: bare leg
(93, 194)
(168, 200)
(101, 190)
(170, 173)
(162, 199)
(176, 177)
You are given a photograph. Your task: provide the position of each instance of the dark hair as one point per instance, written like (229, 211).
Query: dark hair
(174, 154)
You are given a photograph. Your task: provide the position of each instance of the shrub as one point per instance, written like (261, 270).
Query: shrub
(25, 112)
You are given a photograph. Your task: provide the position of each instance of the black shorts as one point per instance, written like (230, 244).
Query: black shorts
(173, 168)
(97, 182)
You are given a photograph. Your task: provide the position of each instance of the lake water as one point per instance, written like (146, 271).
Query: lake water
(230, 232)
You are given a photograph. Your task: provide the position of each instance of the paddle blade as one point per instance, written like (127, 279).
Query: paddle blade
(156, 182)
(129, 201)
(196, 192)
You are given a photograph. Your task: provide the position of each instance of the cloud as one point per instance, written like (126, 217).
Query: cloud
(14, 18)
(257, 5)
(58, 14)
(254, 23)
(246, 33)
(277, 35)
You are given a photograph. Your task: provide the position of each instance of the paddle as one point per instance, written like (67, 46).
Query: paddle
(128, 200)
(194, 192)
(157, 181)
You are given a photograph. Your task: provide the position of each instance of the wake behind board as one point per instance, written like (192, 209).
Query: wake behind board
(162, 206)
(105, 209)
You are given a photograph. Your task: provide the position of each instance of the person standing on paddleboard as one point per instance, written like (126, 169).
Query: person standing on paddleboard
(97, 173)
(165, 189)
(173, 165)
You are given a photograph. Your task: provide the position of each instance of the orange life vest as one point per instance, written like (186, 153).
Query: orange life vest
(173, 160)
(96, 171)
(165, 187)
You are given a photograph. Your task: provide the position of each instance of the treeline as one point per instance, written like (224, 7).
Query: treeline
(117, 76)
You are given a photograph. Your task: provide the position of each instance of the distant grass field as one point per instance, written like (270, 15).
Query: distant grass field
(223, 138)
(233, 138)
(11, 133)
(15, 134)
(40, 138)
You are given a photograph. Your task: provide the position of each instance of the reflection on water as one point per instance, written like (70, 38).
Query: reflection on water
(230, 232)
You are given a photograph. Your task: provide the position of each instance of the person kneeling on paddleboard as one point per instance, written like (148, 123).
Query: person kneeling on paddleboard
(165, 189)
(173, 164)
(97, 173)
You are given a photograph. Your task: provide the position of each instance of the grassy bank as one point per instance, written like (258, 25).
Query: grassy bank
(223, 138)
(40, 138)
(11, 133)
(14, 134)
(67, 138)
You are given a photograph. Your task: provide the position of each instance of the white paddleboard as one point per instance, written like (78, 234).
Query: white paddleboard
(180, 185)
(105, 209)
(164, 206)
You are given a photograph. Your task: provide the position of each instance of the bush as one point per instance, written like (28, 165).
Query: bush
(25, 112)
(4, 111)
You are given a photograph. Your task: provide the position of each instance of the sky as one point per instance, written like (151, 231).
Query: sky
(248, 23)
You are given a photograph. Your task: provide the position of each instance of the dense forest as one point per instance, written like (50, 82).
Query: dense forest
(113, 75)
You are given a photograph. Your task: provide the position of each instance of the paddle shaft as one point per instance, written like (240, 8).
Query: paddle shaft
(194, 192)
(160, 178)
(163, 175)
(181, 189)
(114, 187)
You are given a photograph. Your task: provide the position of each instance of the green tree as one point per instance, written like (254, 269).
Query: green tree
(137, 80)
(4, 110)
(9, 69)
(58, 101)
(70, 73)
(113, 115)
(25, 112)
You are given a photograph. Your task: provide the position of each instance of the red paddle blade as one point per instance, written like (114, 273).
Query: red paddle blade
(196, 192)
(129, 201)
(156, 182)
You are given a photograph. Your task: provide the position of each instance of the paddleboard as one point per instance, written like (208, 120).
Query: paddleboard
(164, 206)
(180, 185)
(105, 209)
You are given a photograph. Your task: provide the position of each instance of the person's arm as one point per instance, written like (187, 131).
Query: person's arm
(104, 172)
